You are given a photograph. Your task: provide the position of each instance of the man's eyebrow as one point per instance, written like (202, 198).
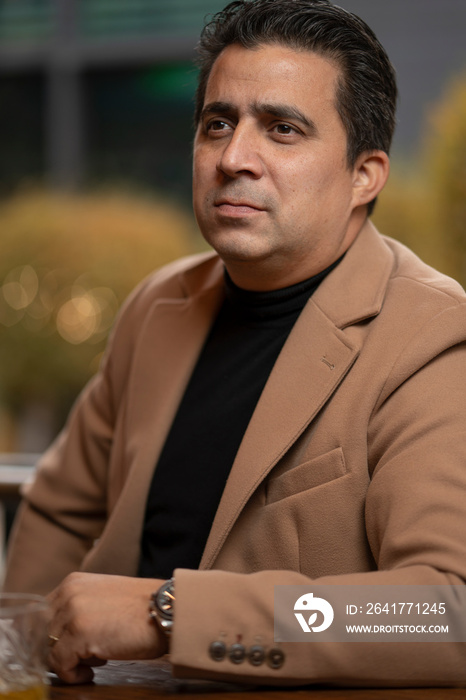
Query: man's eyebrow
(218, 108)
(280, 111)
(285, 111)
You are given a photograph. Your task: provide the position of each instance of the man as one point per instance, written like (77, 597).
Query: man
(301, 391)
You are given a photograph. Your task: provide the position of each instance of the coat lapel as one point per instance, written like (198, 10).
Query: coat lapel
(312, 363)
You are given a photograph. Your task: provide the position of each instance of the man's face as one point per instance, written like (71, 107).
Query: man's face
(273, 194)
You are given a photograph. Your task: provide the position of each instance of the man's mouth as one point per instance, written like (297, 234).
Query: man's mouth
(231, 207)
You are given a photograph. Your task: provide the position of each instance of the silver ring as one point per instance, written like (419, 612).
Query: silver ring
(52, 640)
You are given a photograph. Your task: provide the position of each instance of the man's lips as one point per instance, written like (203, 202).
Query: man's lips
(229, 207)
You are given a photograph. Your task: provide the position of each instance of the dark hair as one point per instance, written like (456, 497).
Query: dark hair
(366, 91)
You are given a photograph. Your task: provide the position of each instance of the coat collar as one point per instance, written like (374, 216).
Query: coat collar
(355, 290)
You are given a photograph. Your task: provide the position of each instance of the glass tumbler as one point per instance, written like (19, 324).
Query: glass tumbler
(23, 647)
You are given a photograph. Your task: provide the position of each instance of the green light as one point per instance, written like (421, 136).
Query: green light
(173, 81)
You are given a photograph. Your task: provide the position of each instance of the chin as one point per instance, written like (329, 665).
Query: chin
(237, 246)
(239, 254)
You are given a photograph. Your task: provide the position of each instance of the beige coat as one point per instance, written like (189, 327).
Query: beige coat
(352, 469)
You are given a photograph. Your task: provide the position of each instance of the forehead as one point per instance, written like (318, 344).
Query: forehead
(273, 72)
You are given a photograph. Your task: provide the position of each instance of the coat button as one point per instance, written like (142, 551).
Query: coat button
(256, 655)
(275, 658)
(237, 653)
(217, 651)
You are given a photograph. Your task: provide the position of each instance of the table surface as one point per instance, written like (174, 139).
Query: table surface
(151, 680)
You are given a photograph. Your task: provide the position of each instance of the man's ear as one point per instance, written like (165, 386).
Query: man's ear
(370, 173)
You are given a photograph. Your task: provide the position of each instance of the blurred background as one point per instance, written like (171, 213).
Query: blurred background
(95, 172)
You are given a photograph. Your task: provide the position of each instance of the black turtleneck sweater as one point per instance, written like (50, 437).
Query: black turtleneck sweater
(233, 367)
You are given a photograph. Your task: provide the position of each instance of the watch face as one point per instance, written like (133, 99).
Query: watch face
(165, 600)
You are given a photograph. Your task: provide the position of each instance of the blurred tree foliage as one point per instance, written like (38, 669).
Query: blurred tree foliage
(66, 264)
(424, 204)
(445, 163)
(406, 211)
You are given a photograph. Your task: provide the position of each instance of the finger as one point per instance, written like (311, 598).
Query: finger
(76, 675)
(93, 661)
(65, 660)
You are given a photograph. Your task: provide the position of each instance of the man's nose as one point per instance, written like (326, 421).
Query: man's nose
(242, 154)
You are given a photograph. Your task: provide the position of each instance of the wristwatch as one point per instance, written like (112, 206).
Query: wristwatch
(162, 605)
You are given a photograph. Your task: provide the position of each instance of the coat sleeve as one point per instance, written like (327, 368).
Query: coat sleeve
(65, 508)
(79, 479)
(415, 521)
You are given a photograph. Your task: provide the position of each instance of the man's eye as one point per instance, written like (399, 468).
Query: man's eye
(284, 129)
(217, 125)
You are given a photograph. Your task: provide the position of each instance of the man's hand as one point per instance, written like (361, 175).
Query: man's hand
(98, 617)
